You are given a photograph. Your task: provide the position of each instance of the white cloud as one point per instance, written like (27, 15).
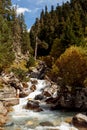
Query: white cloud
(22, 10)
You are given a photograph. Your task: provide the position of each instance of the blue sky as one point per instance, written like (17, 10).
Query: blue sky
(32, 8)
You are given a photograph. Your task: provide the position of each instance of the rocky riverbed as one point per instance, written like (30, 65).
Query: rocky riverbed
(44, 97)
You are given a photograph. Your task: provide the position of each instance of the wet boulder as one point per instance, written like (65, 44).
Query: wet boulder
(51, 90)
(46, 123)
(33, 87)
(23, 94)
(39, 97)
(80, 121)
(9, 124)
(35, 82)
(25, 85)
(33, 105)
(47, 94)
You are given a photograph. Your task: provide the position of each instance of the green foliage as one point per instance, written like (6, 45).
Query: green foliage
(6, 56)
(31, 62)
(20, 74)
(57, 48)
(49, 60)
(72, 66)
(67, 23)
(53, 73)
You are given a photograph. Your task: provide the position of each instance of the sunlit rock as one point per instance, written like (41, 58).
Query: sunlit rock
(80, 121)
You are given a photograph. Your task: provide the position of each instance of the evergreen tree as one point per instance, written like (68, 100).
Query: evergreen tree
(67, 22)
(25, 42)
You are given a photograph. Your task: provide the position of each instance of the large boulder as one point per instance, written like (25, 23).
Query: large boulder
(80, 121)
(51, 90)
(39, 97)
(33, 105)
(72, 99)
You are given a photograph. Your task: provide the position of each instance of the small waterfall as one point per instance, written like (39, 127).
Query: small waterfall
(20, 115)
(23, 101)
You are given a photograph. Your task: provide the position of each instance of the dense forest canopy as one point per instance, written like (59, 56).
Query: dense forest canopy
(61, 27)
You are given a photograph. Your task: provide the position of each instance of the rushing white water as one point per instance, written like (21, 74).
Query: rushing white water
(21, 116)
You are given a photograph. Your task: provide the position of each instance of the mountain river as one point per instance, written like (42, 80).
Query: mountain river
(22, 119)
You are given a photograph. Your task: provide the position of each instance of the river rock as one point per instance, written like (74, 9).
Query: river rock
(39, 97)
(10, 101)
(80, 121)
(33, 87)
(9, 124)
(51, 90)
(46, 123)
(47, 94)
(23, 94)
(33, 105)
(3, 110)
(25, 85)
(35, 82)
(3, 120)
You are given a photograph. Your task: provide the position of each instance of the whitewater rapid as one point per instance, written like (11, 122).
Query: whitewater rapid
(20, 116)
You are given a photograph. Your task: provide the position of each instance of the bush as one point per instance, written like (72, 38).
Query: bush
(72, 66)
(31, 62)
(57, 48)
(20, 74)
(49, 60)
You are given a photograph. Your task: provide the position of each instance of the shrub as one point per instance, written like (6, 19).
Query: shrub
(20, 74)
(57, 48)
(31, 62)
(53, 73)
(49, 60)
(72, 66)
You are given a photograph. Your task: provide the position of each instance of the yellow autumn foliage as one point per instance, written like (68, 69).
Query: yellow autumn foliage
(72, 66)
